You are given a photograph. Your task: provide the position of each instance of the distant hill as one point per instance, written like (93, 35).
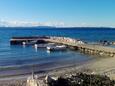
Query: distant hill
(53, 27)
(30, 27)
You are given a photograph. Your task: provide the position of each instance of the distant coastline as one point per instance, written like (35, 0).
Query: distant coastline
(53, 27)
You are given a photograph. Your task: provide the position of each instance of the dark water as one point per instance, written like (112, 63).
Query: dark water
(19, 55)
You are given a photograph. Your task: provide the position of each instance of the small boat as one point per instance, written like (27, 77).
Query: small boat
(44, 45)
(55, 48)
(40, 45)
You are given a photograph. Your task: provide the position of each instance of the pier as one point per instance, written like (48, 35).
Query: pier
(92, 49)
(20, 40)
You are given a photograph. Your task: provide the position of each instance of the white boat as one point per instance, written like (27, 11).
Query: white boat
(44, 45)
(40, 45)
(58, 47)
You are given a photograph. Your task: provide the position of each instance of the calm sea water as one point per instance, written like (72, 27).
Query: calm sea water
(19, 55)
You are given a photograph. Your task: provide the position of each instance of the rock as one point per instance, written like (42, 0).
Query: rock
(32, 81)
(49, 79)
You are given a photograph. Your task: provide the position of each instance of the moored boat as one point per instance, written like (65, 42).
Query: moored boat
(44, 45)
(58, 47)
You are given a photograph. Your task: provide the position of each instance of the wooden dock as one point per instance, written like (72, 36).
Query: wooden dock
(77, 44)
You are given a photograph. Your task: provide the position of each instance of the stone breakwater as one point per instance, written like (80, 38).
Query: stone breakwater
(67, 39)
(42, 39)
(93, 49)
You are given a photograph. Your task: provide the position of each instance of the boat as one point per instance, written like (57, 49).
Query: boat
(55, 48)
(43, 45)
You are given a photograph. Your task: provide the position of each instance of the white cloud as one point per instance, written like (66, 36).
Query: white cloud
(4, 23)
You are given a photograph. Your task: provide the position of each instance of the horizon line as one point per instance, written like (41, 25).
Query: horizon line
(55, 27)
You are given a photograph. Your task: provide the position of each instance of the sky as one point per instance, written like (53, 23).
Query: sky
(57, 13)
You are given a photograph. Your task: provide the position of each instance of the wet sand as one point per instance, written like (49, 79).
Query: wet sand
(21, 78)
(101, 66)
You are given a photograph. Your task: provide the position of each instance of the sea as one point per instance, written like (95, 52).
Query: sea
(12, 56)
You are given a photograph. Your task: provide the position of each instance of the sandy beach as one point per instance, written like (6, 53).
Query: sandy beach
(104, 66)
(101, 66)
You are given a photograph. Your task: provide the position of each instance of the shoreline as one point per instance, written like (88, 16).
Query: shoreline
(89, 67)
(57, 71)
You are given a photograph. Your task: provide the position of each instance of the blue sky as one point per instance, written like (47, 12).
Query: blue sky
(65, 12)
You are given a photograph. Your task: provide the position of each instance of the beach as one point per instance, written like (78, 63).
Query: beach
(104, 66)
(55, 41)
(17, 61)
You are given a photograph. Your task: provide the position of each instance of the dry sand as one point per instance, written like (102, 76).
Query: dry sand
(100, 66)
(104, 66)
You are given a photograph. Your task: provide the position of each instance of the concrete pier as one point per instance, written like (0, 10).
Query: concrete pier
(20, 40)
(73, 43)
(98, 49)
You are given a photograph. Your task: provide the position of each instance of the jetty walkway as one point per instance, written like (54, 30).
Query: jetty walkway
(92, 49)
